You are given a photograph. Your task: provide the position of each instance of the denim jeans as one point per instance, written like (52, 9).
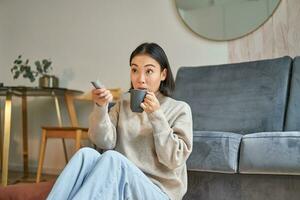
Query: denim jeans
(107, 176)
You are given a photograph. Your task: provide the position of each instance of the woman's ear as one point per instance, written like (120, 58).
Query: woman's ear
(163, 74)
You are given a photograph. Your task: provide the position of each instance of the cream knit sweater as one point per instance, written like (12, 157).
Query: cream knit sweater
(158, 143)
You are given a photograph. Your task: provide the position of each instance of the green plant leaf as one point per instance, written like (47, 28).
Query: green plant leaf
(22, 68)
(14, 68)
(16, 75)
(38, 66)
(39, 69)
(45, 61)
(47, 64)
(31, 77)
(27, 69)
(18, 62)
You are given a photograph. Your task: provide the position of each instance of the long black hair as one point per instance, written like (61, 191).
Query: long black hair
(157, 53)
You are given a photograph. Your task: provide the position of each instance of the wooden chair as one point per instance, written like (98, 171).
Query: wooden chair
(74, 132)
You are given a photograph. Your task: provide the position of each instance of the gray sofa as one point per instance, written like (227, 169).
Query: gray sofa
(246, 120)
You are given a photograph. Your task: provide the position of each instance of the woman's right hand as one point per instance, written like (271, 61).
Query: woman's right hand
(101, 96)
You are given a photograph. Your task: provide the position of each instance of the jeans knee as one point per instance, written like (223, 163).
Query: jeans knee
(87, 152)
(114, 155)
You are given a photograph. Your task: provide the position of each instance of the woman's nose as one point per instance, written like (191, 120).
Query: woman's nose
(141, 78)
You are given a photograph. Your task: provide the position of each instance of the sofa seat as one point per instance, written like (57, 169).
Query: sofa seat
(215, 152)
(270, 153)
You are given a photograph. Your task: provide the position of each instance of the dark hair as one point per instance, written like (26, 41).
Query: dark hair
(157, 53)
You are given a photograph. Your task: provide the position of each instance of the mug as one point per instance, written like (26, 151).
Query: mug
(136, 98)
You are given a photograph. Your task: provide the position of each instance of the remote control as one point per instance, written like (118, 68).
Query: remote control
(97, 84)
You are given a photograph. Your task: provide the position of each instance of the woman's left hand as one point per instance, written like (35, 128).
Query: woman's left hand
(150, 103)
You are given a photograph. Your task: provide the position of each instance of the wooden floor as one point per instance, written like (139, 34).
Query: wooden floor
(15, 177)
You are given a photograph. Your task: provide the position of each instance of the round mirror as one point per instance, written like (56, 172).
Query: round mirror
(225, 19)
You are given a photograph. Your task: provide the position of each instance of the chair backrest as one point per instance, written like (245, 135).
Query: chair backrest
(116, 92)
(242, 98)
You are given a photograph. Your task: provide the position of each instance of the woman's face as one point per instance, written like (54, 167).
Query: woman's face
(145, 73)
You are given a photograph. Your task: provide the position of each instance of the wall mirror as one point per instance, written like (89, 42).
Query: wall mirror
(225, 19)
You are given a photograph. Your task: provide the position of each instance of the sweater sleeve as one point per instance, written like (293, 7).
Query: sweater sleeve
(173, 142)
(102, 126)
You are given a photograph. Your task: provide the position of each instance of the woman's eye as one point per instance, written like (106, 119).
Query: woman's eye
(133, 70)
(149, 71)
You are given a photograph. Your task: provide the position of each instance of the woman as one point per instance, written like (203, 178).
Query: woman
(150, 148)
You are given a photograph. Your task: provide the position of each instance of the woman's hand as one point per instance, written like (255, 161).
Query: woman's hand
(101, 96)
(150, 103)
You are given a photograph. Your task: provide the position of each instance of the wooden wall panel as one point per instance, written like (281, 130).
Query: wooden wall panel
(238, 50)
(279, 36)
(280, 30)
(293, 11)
(268, 39)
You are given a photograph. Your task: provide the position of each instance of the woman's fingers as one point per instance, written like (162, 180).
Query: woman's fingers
(108, 96)
(150, 103)
(148, 107)
(143, 106)
(147, 99)
(101, 96)
(150, 95)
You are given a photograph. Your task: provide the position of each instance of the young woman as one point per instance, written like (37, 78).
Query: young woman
(150, 149)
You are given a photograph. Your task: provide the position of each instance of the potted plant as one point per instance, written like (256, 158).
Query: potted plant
(43, 69)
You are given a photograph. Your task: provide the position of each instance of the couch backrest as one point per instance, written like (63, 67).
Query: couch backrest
(293, 112)
(241, 98)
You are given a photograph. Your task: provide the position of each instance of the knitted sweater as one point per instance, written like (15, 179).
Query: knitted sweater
(158, 143)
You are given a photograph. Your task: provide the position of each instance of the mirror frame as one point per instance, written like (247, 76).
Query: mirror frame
(230, 39)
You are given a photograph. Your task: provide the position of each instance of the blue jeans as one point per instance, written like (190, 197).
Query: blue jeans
(107, 176)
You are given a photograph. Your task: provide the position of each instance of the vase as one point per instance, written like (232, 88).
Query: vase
(48, 81)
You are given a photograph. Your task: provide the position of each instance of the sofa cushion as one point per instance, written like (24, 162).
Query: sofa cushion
(270, 153)
(293, 111)
(214, 152)
(241, 98)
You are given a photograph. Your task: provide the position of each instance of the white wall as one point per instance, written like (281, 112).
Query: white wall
(88, 40)
(97, 36)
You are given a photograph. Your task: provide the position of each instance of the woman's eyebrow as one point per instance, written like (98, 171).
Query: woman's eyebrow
(132, 64)
(149, 65)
